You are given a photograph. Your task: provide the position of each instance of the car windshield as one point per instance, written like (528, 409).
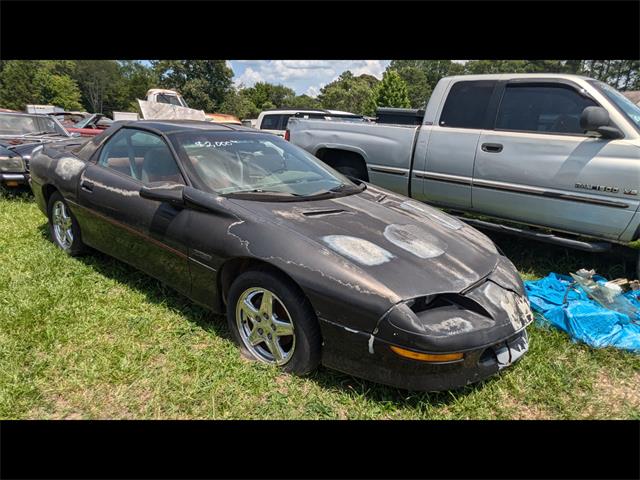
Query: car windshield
(626, 106)
(240, 163)
(93, 120)
(24, 125)
(170, 99)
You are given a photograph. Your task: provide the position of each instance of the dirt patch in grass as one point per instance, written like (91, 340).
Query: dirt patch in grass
(614, 397)
(524, 411)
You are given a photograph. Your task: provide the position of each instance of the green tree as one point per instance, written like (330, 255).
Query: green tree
(622, 74)
(267, 95)
(349, 93)
(204, 84)
(59, 90)
(392, 91)
(238, 103)
(418, 87)
(136, 80)
(303, 101)
(24, 82)
(101, 84)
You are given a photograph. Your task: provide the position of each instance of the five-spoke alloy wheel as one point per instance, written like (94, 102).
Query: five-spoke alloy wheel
(273, 321)
(265, 326)
(63, 228)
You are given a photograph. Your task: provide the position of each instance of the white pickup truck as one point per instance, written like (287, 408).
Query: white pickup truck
(560, 152)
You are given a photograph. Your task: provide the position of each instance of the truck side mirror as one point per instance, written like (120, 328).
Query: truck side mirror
(596, 119)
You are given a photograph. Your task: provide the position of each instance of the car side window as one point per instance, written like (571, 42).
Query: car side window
(466, 104)
(542, 108)
(117, 154)
(141, 155)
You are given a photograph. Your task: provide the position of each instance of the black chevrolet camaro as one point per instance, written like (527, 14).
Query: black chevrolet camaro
(309, 266)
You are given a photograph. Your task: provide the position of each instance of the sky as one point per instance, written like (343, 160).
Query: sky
(304, 76)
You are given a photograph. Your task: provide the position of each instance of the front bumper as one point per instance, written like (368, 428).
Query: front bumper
(14, 179)
(369, 357)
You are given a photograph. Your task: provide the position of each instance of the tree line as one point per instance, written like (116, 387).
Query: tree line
(110, 85)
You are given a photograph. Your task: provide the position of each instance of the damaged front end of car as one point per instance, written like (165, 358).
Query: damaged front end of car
(441, 341)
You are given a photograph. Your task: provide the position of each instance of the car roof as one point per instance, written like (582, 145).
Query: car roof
(26, 114)
(294, 110)
(510, 76)
(173, 126)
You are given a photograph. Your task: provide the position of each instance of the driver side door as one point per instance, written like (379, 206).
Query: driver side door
(144, 233)
(538, 166)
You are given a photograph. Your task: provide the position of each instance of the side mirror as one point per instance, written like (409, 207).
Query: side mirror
(596, 119)
(167, 192)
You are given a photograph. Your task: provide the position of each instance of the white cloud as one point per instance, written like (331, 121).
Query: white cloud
(371, 67)
(248, 78)
(304, 75)
(313, 90)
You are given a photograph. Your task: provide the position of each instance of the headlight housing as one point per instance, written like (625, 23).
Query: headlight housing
(11, 164)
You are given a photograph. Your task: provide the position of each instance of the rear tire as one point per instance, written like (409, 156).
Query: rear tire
(273, 322)
(63, 226)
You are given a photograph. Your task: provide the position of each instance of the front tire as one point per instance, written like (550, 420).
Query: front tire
(273, 322)
(63, 227)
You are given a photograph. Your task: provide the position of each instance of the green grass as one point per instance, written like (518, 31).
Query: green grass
(93, 338)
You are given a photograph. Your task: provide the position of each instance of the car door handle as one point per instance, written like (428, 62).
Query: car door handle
(492, 147)
(86, 185)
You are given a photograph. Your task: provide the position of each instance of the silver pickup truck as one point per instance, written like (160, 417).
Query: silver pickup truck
(557, 156)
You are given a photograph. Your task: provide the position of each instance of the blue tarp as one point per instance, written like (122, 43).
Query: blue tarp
(581, 317)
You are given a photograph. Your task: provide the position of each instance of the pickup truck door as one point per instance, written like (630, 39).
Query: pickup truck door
(537, 166)
(117, 221)
(452, 143)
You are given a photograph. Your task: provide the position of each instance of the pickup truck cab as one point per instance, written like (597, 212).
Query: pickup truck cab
(560, 152)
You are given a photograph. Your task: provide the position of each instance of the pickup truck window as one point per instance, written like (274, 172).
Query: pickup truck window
(466, 104)
(274, 122)
(538, 108)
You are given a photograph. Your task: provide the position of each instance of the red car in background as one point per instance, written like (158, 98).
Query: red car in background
(86, 124)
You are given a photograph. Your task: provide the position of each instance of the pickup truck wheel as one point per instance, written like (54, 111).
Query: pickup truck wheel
(273, 322)
(63, 227)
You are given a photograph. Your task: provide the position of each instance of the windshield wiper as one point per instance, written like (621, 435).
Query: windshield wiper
(261, 191)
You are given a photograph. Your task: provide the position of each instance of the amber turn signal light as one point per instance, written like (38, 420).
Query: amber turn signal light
(427, 357)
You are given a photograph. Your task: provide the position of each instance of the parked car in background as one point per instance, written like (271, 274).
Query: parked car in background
(91, 125)
(544, 151)
(223, 118)
(69, 119)
(250, 122)
(275, 121)
(169, 104)
(20, 134)
(309, 266)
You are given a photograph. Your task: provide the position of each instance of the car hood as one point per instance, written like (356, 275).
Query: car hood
(411, 248)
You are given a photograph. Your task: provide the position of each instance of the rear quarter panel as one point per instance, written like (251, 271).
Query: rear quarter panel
(381, 146)
(57, 167)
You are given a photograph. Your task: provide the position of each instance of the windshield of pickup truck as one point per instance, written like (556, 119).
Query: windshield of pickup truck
(237, 163)
(626, 106)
